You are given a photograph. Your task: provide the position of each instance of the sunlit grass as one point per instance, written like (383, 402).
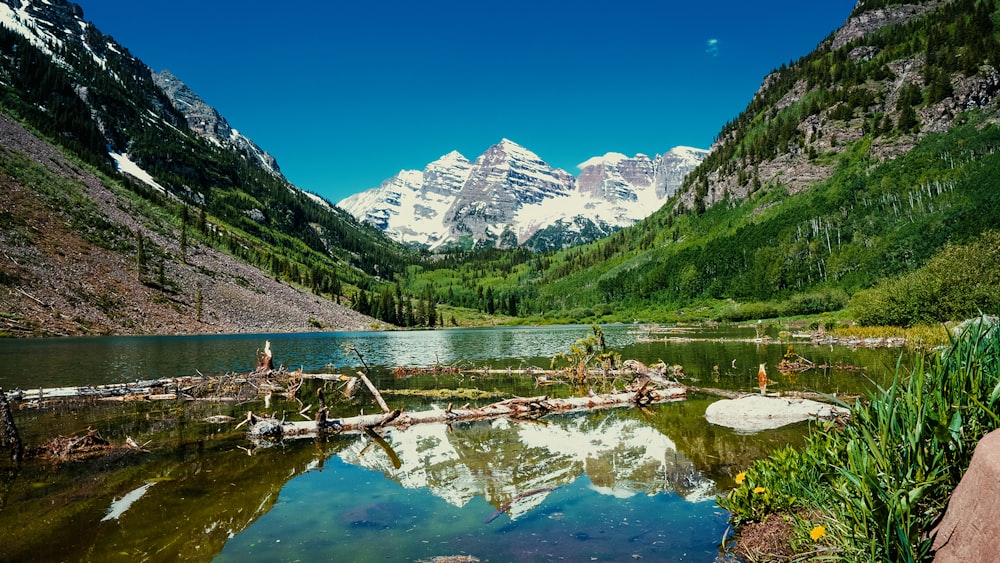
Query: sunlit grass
(922, 336)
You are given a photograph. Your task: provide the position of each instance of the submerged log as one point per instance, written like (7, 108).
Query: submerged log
(506, 506)
(261, 428)
(754, 413)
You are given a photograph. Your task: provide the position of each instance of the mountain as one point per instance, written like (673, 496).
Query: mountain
(193, 187)
(510, 197)
(861, 84)
(204, 120)
(855, 165)
(854, 179)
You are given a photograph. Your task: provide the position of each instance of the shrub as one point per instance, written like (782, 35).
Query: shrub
(956, 283)
(822, 301)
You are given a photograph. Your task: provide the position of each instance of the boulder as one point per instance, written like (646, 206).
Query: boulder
(971, 524)
(754, 413)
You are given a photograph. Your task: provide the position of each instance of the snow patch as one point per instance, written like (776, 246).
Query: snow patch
(127, 166)
(609, 159)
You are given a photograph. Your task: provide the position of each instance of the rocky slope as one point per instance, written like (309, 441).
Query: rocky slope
(828, 133)
(55, 280)
(206, 121)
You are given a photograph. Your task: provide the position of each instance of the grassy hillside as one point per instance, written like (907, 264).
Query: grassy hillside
(851, 167)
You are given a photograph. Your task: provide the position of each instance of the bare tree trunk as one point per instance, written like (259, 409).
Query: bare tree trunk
(264, 359)
(9, 438)
(371, 387)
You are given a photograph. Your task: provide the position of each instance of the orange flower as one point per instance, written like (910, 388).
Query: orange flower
(817, 533)
(759, 490)
(740, 477)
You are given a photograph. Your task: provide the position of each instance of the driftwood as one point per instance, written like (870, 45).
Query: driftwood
(265, 361)
(227, 387)
(265, 428)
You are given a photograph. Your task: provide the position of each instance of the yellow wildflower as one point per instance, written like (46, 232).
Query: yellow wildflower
(817, 532)
(740, 477)
(759, 490)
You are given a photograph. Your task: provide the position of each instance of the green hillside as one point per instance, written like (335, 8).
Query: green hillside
(213, 195)
(913, 170)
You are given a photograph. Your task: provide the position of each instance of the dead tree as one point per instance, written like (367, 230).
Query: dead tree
(9, 438)
(265, 362)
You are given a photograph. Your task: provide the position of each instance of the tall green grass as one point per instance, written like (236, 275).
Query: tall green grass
(878, 483)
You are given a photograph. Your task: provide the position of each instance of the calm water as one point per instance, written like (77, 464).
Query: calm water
(603, 486)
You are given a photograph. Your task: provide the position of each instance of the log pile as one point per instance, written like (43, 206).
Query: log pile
(226, 387)
(266, 428)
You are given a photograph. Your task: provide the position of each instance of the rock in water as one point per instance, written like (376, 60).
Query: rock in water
(754, 413)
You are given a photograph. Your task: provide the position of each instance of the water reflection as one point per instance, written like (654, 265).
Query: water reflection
(502, 460)
(87, 361)
(574, 487)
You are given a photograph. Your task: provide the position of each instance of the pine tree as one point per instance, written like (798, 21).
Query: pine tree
(140, 256)
(491, 306)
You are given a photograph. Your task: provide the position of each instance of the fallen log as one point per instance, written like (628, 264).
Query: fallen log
(134, 388)
(265, 428)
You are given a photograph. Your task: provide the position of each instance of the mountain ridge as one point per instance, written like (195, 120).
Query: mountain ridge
(190, 179)
(509, 194)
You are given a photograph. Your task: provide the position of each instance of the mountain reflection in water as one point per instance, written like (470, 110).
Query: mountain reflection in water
(605, 485)
(501, 460)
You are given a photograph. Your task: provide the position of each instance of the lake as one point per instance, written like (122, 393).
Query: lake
(610, 485)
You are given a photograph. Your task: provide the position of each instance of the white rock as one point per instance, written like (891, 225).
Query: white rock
(754, 413)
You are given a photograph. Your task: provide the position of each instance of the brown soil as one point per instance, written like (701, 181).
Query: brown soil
(765, 541)
(55, 282)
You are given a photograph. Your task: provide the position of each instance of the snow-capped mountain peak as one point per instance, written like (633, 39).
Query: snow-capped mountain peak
(509, 196)
(609, 159)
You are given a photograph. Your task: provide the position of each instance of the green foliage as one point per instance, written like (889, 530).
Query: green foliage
(958, 282)
(586, 352)
(880, 483)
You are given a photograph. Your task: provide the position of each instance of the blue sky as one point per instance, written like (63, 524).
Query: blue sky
(346, 94)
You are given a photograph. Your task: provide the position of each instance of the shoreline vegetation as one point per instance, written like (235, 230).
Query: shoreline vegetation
(872, 488)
